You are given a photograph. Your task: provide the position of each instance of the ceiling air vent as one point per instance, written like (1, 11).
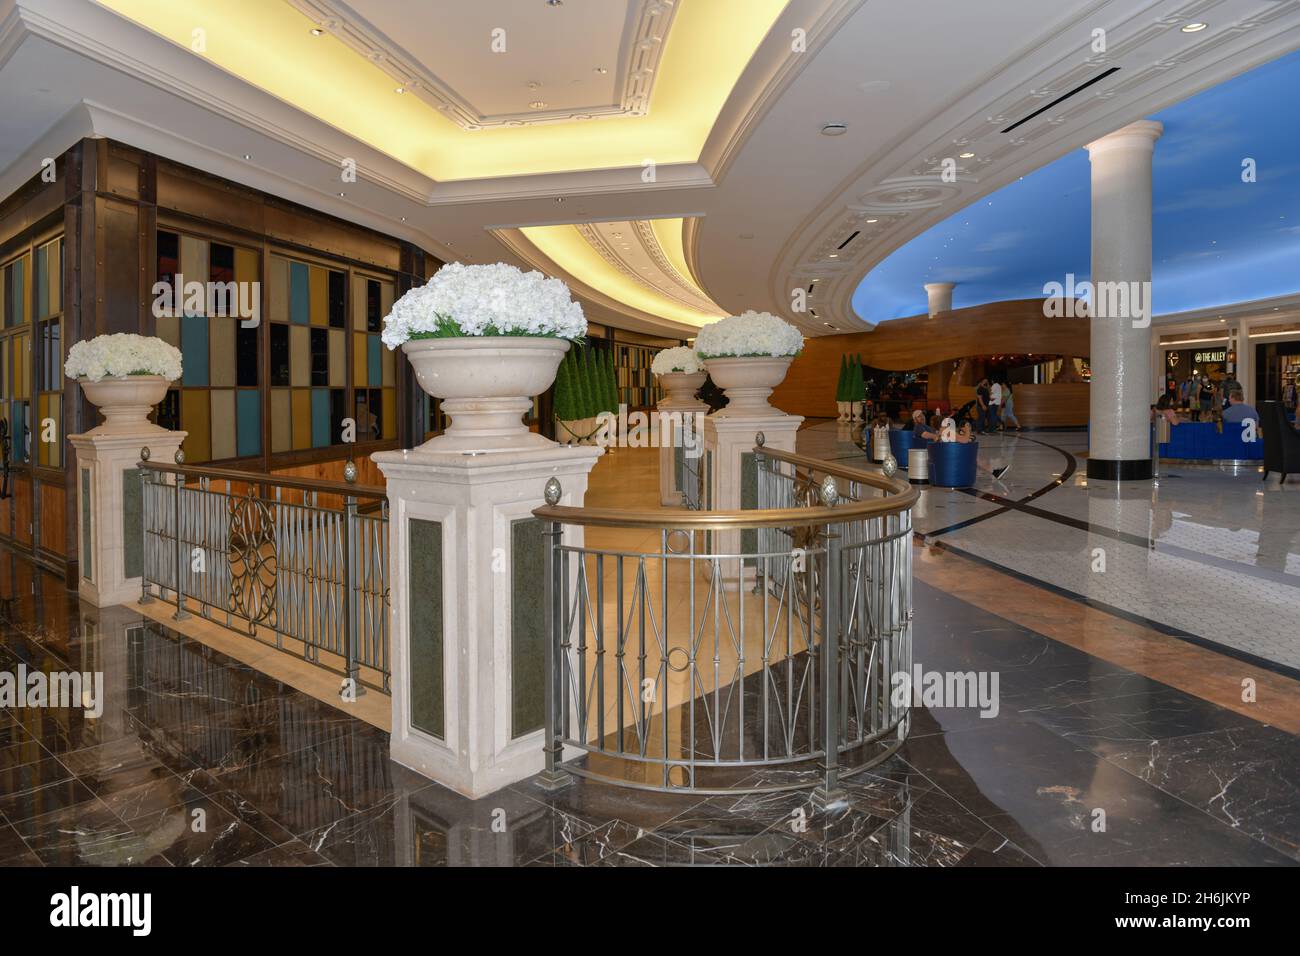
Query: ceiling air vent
(1063, 97)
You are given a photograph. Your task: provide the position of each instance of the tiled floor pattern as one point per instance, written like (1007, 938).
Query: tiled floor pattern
(1214, 552)
(199, 760)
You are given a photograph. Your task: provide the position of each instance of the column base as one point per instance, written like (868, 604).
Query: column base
(1125, 469)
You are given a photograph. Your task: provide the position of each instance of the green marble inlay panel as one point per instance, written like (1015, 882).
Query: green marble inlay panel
(425, 642)
(527, 626)
(132, 524)
(87, 570)
(748, 499)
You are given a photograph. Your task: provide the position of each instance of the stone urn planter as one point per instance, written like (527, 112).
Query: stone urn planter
(125, 402)
(486, 384)
(680, 388)
(748, 382)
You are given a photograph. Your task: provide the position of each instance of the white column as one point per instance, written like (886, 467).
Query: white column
(939, 295)
(730, 475)
(110, 545)
(1122, 390)
(452, 558)
(678, 431)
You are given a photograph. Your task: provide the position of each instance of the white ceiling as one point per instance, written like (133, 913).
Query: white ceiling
(485, 65)
(770, 197)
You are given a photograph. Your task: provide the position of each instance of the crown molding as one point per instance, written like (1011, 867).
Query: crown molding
(638, 64)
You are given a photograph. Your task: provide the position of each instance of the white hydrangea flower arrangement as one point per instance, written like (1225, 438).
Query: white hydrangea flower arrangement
(751, 335)
(462, 300)
(683, 358)
(122, 355)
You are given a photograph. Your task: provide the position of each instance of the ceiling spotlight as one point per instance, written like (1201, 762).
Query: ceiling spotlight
(317, 31)
(555, 3)
(1195, 27)
(342, 194)
(834, 255)
(537, 105)
(403, 219)
(248, 156)
(400, 89)
(966, 155)
(835, 129)
(601, 70)
(869, 221)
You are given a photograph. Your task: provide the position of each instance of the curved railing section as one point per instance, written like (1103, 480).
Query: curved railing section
(732, 651)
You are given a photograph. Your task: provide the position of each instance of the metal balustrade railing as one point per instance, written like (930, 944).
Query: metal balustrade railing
(298, 564)
(707, 666)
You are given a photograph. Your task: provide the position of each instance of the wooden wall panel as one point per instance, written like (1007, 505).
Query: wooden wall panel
(22, 530)
(902, 345)
(1039, 406)
(53, 516)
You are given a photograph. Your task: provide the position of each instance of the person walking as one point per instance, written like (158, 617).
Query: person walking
(1205, 395)
(982, 406)
(1008, 407)
(995, 406)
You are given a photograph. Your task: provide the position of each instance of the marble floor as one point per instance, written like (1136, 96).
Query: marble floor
(1212, 552)
(200, 760)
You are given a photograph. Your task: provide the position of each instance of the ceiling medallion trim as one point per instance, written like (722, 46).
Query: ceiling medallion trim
(650, 243)
(593, 238)
(644, 39)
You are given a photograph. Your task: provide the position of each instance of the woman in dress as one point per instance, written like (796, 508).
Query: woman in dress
(1008, 407)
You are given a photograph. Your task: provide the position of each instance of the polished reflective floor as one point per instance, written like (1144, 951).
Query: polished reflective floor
(198, 760)
(1210, 551)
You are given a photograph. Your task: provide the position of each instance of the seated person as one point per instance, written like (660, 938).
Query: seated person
(964, 436)
(1238, 411)
(1164, 408)
(920, 429)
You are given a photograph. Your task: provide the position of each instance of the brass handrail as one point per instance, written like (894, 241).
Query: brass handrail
(265, 478)
(900, 495)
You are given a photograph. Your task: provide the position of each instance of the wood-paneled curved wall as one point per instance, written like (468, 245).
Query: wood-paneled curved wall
(1017, 326)
(1039, 406)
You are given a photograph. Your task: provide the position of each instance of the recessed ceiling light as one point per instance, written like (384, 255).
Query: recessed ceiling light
(555, 3)
(872, 220)
(601, 70)
(537, 105)
(967, 155)
(248, 156)
(342, 194)
(834, 255)
(835, 129)
(403, 219)
(1195, 27)
(317, 31)
(400, 89)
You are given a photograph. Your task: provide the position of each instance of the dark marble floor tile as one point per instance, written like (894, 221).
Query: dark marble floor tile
(49, 788)
(598, 803)
(123, 764)
(13, 851)
(86, 835)
(198, 832)
(897, 843)
(1247, 777)
(996, 850)
(594, 846)
(654, 850)
(293, 853)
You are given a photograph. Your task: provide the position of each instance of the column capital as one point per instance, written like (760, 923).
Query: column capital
(1139, 135)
